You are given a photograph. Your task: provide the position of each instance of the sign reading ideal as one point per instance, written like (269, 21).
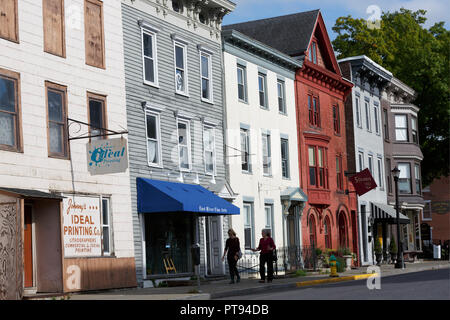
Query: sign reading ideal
(82, 227)
(363, 182)
(107, 156)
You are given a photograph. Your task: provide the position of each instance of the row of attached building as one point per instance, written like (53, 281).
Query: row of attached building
(249, 126)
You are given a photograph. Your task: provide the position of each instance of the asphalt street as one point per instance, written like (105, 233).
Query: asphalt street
(425, 285)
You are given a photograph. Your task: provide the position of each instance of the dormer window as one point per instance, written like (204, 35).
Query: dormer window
(313, 52)
(177, 6)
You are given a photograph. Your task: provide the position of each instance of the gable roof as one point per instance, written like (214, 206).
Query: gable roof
(290, 34)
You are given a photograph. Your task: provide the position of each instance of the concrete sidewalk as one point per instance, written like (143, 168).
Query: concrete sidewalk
(221, 288)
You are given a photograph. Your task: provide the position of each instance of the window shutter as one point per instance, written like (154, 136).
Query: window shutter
(8, 20)
(53, 14)
(94, 38)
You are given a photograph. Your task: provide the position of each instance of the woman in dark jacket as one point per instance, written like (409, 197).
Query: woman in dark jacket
(266, 245)
(232, 248)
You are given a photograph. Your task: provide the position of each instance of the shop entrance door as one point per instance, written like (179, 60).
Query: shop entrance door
(215, 245)
(28, 247)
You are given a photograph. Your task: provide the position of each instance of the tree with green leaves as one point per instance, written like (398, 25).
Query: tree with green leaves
(420, 58)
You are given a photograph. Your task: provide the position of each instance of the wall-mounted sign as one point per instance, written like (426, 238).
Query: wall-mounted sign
(82, 226)
(107, 156)
(363, 182)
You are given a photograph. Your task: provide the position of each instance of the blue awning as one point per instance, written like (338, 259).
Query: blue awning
(162, 196)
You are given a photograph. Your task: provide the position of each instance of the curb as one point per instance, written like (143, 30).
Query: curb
(247, 291)
(337, 279)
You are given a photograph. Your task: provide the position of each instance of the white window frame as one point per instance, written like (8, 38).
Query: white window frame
(158, 133)
(249, 225)
(188, 133)
(265, 105)
(368, 118)
(213, 135)
(370, 163)
(361, 160)
(417, 178)
(377, 119)
(268, 218)
(266, 136)
(210, 79)
(244, 82)
(281, 88)
(397, 116)
(185, 70)
(153, 34)
(247, 144)
(108, 225)
(380, 173)
(288, 169)
(358, 111)
(407, 174)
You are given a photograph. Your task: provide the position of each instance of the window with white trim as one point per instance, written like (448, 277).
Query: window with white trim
(245, 150)
(281, 99)
(367, 108)
(380, 173)
(180, 55)
(106, 227)
(206, 76)
(377, 119)
(153, 129)
(267, 165)
(209, 150)
(361, 160)
(184, 144)
(262, 90)
(242, 83)
(268, 210)
(417, 178)
(358, 112)
(149, 57)
(370, 163)
(285, 158)
(404, 181)
(401, 127)
(415, 136)
(248, 225)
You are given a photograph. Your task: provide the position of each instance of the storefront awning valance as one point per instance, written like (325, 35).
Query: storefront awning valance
(162, 196)
(385, 213)
(32, 194)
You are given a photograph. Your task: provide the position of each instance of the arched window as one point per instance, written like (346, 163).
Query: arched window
(312, 231)
(327, 232)
(343, 241)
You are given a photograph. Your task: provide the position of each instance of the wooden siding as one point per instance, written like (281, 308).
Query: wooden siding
(94, 33)
(164, 97)
(53, 21)
(9, 26)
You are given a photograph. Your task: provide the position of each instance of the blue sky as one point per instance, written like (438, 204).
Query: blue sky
(246, 10)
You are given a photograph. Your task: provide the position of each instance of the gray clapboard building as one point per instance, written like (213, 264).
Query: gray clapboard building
(174, 88)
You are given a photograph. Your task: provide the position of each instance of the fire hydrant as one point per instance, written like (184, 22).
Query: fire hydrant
(333, 266)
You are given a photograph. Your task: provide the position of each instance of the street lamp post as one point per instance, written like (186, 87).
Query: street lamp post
(399, 264)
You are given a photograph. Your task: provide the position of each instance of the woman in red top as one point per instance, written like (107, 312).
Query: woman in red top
(266, 245)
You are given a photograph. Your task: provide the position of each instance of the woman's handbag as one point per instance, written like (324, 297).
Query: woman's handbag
(274, 255)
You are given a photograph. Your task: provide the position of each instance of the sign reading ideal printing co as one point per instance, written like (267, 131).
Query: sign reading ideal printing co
(82, 226)
(107, 156)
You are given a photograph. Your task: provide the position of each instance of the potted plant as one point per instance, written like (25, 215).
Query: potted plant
(378, 251)
(393, 250)
(347, 255)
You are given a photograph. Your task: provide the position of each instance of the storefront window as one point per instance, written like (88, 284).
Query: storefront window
(169, 237)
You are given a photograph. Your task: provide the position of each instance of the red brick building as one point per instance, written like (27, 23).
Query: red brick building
(329, 218)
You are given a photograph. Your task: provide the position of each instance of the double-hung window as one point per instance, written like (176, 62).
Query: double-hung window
(10, 137)
(313, 109)
(180, 52)
(361, 160)
(417, 179)
(267, 165)
(377, 120)
(358, 112)
(57, 120)
(262, 90)
(97, 116)
(281, 98)
(268, 210)
(245, 150)
(336, 120)
(248, 225)
(370, 163)
(285, 158)
(415, 136)
(339, 176)
(386, 124)
(318, 170)
(206, 76)
(154, 157)
(367, 109)
(404, 181)
(380, 172)
(313, 52)
(149, 54)
(106, 227)
(401, 127)
(209, 150)
(184, 144)
(242, 83)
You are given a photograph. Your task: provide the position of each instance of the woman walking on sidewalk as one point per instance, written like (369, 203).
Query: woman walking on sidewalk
(266, 245)
(233, 251)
